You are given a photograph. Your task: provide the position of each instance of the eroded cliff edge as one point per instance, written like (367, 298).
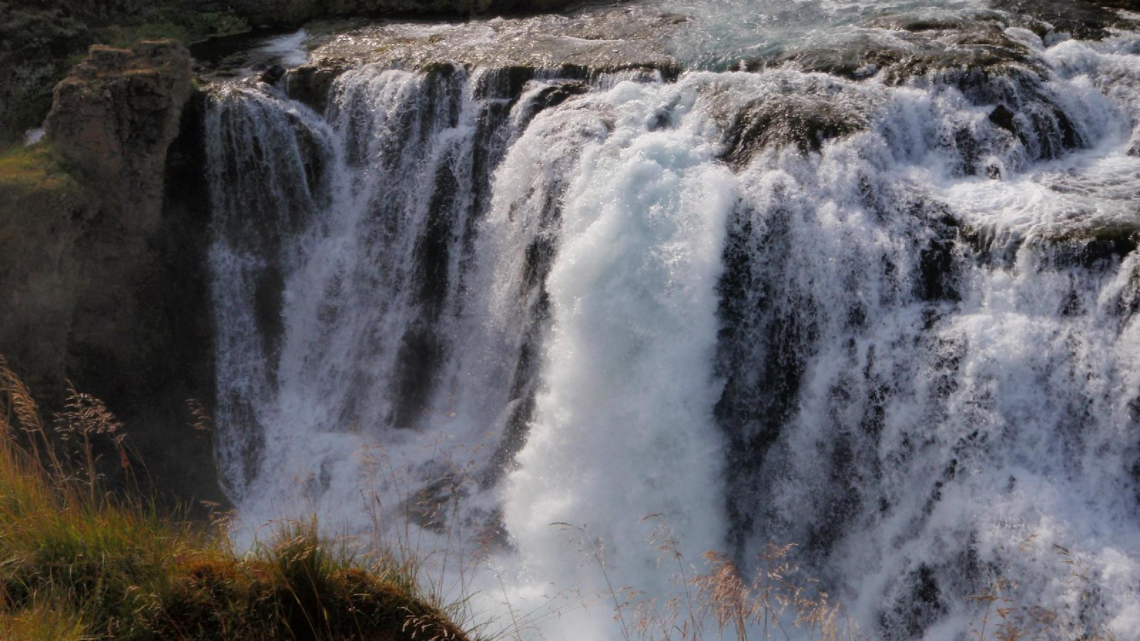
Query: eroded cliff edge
(103, 233)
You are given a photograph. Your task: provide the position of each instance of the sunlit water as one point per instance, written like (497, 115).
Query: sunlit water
(724, 32)
(910, 347)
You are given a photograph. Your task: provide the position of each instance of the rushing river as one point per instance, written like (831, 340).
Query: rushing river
(864, 278)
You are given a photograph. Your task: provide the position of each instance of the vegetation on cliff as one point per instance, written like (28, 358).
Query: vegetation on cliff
(40, 40)
(80, 562)
(92, 250)
(25, 170)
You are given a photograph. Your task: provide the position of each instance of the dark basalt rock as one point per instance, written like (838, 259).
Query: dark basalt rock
(430, 507)
(1002, 117)
(979, 59)
(765, 340)
(595, 39)
(937, 277)
(1086, 244)
(553, 96)
(907, 46)
(1083, 19)
(579, 46)
(311, 83)
(1093, 247)
(970, 54)
(806, 122)
(920, 22)
(272, 75)
(861, 57)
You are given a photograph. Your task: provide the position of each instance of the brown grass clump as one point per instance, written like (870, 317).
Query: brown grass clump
(776, 600)
(1007, 618)
(780, 601)
(78, 561)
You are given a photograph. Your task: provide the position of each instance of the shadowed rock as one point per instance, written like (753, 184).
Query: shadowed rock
(102, 256)
(804, 121)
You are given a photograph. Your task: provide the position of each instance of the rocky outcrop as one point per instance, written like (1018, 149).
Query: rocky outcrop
(805, 121)
(1086, 19)
(581, 43)
(293, 12)
(115, 117)
(599, 38)
(103, 273)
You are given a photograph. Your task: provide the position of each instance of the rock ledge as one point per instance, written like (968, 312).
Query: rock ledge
(115, 116)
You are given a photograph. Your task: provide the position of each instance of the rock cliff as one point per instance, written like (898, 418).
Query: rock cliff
(115, 117)
(104, 275)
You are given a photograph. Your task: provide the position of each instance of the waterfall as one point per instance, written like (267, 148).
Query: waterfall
(891, 319)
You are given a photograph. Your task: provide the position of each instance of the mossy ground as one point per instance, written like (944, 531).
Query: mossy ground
(35, 167)
(80, 562)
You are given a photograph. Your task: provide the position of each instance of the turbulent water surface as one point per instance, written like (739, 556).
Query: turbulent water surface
(863, 278)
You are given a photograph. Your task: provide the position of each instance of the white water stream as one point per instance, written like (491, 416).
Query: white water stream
(908, 348)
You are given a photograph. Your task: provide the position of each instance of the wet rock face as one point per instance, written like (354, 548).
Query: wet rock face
(804, 121)
(902, 47)
(1078, 18)
(115, 117)
(312, 83)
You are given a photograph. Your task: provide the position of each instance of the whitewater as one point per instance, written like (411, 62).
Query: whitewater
(888, 314)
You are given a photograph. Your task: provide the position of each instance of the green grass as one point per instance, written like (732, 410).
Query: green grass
(38, 167)
(78, 561)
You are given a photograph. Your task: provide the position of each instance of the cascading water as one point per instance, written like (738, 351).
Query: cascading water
(889, 315)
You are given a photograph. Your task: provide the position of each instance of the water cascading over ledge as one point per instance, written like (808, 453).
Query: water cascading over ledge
(891, 317)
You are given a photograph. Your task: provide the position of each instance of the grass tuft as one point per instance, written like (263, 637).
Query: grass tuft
(78, 561)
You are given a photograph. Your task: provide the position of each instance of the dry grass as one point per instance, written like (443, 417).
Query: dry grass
(78, 561)
(780, 601)
(1006, 617)
(42, 618)
(777, 601)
